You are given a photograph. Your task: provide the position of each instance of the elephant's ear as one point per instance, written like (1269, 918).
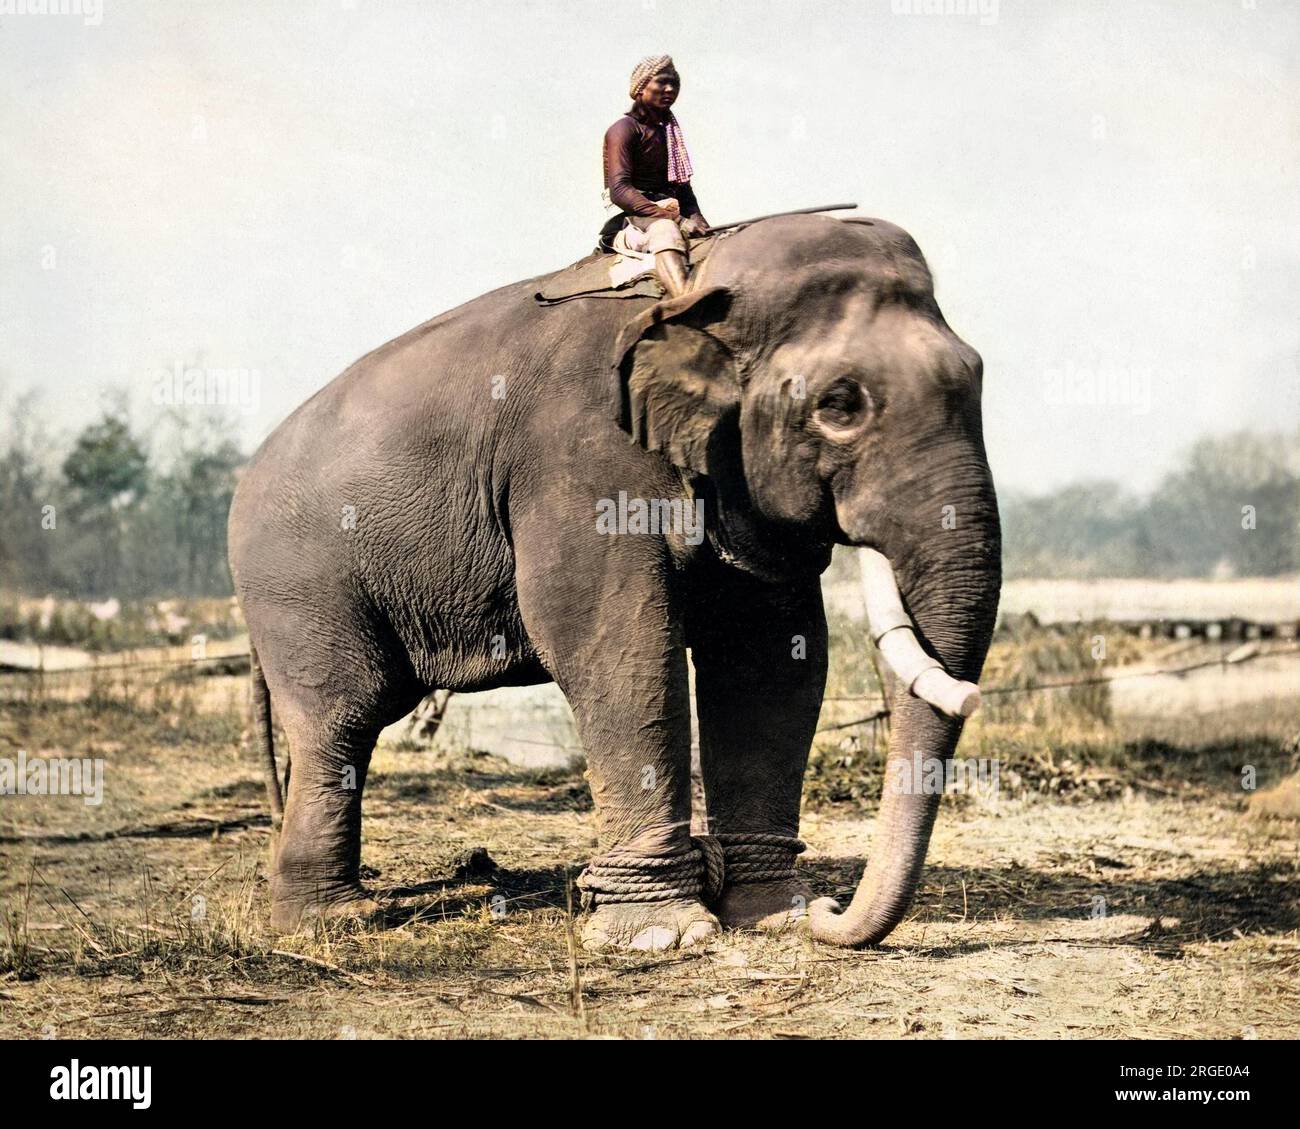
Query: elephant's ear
(677, 382)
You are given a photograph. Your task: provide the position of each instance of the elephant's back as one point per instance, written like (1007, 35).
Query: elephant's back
(466, 363)
(461, 401)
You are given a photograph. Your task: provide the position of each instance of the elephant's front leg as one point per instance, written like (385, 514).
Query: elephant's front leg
(607, 631)
(760, 672)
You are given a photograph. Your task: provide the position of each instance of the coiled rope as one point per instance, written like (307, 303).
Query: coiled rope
(698, 873)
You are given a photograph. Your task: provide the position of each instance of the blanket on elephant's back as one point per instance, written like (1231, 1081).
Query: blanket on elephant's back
(589, 278)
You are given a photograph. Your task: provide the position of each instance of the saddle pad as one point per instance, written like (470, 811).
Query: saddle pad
(589, 278)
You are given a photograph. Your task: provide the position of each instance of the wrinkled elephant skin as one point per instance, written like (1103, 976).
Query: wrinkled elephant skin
(510, 494)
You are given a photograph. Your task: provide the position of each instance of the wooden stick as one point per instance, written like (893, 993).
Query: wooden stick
(773, 215)
(324, 964)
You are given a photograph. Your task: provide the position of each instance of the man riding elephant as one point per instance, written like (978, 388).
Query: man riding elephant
(648, 175)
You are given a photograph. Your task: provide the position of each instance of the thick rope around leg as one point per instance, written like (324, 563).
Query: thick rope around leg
(617, 877)
(755, 856)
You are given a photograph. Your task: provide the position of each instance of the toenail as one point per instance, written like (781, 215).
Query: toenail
(654, 939)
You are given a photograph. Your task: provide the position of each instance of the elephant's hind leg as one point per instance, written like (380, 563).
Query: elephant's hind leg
(316, 873)
(336, 678)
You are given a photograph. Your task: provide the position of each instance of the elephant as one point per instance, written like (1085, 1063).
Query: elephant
(511, 494)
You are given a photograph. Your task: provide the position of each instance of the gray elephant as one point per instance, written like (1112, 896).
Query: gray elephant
(511, 494)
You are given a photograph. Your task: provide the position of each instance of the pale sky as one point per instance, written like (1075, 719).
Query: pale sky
(283, 186)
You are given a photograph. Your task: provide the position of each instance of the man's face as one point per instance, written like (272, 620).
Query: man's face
(661, 91)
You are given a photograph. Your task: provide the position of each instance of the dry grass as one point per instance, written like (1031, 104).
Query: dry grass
(1115, 889)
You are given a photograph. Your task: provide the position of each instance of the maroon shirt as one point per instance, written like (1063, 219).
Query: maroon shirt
(636, 165)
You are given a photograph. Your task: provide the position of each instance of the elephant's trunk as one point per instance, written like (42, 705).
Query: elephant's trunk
(954, 604)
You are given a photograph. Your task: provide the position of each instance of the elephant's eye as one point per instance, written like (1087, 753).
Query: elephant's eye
(843, 404)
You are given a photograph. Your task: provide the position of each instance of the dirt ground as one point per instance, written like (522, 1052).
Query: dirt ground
(1118, 885)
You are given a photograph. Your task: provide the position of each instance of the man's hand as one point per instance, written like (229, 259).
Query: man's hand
(694, 226)
(670, 209)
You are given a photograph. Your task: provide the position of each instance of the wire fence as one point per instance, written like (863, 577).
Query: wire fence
(109, 667)
(241, 659)
(1233, 659)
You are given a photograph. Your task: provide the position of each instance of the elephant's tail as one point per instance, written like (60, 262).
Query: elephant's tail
(262, 735)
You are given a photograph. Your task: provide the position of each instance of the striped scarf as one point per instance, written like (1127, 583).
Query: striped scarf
(679, 160)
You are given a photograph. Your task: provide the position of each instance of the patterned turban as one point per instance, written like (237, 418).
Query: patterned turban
(646, 69)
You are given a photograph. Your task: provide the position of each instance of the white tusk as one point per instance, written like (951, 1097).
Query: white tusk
(944, 692)
(893, 632)
(880, 589)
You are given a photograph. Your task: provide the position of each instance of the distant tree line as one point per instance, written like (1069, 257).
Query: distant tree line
(118, 513)
(1230, 509)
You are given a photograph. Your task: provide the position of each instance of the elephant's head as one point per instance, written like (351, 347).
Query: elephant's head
(812, 385)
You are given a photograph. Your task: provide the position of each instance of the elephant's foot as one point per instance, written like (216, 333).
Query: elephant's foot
(293, 913)
(648, 926)
(773, 907)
